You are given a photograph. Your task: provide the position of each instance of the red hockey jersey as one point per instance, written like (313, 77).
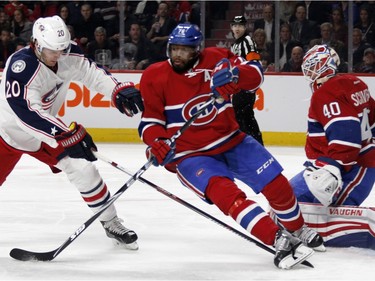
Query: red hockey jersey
(171, 98)
(341, 122)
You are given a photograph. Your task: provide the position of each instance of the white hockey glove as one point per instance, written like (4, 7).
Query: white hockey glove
(324, 182)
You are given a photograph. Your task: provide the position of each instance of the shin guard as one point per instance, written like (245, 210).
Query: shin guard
(283, 202)
(232, 201)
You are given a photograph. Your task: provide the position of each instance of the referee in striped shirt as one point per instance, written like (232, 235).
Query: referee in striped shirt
(243, 102)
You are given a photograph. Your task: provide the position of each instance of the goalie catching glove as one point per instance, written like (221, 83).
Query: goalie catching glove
(323, 180)
(127, 99)
(224, 80)
(161, 152)
(77, 142)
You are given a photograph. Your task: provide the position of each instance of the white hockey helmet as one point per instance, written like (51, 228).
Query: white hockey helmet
(320, 64)
(51, 33)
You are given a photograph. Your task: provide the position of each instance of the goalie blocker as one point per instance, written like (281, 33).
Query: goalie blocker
(342, 226)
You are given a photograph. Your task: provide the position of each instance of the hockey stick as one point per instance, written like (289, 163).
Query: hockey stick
(192, 207)
(25, 255)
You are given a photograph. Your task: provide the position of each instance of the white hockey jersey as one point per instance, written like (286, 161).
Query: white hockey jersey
(31, 95)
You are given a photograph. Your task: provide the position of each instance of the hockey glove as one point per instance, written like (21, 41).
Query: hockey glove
(323, 180)
(160, 152)
(224, 80)
(127, 99)
(77, 142)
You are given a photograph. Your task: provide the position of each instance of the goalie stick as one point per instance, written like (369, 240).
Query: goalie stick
(25, 255)
(195, 209)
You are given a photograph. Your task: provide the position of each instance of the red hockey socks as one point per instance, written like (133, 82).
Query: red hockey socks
(232, 201)
(283, 202)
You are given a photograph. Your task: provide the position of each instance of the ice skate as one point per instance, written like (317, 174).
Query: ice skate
(290, 250)
(310, 238)
(120, 234)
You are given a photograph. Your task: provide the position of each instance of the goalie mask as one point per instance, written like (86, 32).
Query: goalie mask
(320, 64)
(51, 33)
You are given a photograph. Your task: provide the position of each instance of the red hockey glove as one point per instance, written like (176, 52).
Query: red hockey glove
(77, 142)
(127, 99)
(224, 80)
(161, 152)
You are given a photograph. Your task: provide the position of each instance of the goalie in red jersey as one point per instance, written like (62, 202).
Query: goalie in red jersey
(340, 142)
(212, 152)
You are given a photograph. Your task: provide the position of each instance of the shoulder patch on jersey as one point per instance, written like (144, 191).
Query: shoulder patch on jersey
(18, 66)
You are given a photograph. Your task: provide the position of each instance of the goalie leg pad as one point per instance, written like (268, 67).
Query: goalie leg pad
(342, 226)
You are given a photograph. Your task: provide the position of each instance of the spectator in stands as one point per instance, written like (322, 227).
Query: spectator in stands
(326, 29)
(146, 53)
(366, 25)
(339, 27)
(368, 63)
(101, 49)
(63, 12)
(295, 62)
(259, 36)
(344, 5)
(267, 22)
(21, 26)
(15, 5)
(304, 30)
(287, 43)
(161, 28)
(85, 28)
(4, 20)
(359, 46)
(7, 46)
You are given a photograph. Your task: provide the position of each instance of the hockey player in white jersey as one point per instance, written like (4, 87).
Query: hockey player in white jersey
(33, 89)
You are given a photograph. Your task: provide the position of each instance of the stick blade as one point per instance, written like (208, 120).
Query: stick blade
(24, 255)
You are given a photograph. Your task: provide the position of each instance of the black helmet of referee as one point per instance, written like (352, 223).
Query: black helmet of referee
(239, 20)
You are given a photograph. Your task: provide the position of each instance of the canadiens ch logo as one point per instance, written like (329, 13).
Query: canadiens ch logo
(18, 66)
(193, 105)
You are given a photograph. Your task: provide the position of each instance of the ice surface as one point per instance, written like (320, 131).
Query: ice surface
(40, 210)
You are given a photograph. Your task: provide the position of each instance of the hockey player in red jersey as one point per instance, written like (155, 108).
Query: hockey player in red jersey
(34, 86)
(340, 144)
(213, 151)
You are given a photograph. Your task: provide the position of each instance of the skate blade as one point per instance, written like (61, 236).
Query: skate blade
(131, 246)
(290, 261)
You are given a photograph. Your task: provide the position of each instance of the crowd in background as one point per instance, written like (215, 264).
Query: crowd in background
(304, 24)
(94, 26)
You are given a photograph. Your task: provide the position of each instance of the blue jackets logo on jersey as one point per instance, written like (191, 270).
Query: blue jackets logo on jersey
(49, 98)
(193, 105)
(18, 66)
